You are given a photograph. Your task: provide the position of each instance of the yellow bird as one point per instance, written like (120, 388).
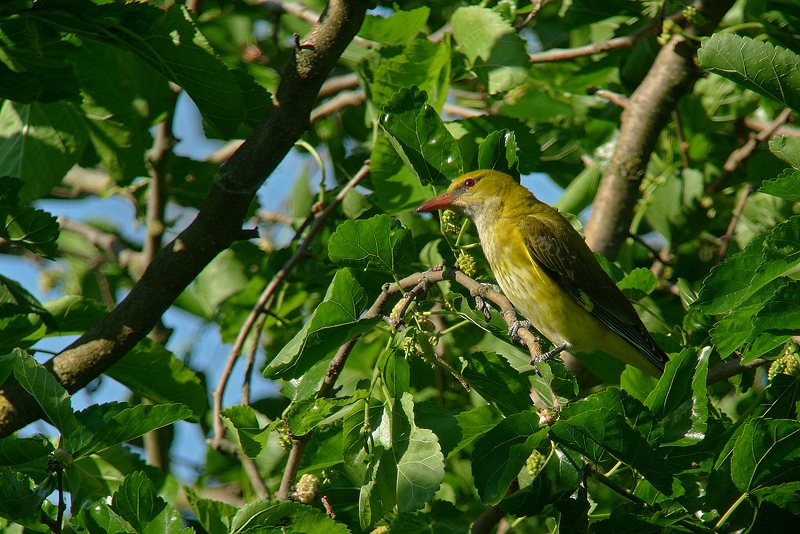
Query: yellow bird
(545, 268)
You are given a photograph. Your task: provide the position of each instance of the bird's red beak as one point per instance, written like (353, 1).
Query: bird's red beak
(441, 202)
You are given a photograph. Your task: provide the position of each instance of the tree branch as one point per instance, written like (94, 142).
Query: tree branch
(672, 74)
(217, 224)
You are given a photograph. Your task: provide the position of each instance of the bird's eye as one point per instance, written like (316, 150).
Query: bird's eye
(469, 182)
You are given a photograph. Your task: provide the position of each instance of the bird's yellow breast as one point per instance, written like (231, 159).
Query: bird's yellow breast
(553, 312)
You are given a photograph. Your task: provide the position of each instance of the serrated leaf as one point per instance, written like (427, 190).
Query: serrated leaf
(39, 143)
(766, 454)
(19, 498)
(137, 502)
(501, 453)
(638, 283)
(441, 422)
(786, 147)
(101, 519)
(49, 394)
(16, 451)
(397, 29)
(786, 185)
(74, 314)
(760, 66)
(680, 400)
(499, 152)
(422, 64)
(475, 423)
(214, 516)
(155, 373)
(305, 414)
(766, 257)
(396, 187)
(334, 321)
(380, 243)
(32, 229)
(413, 451)
(265, 516)
(776, 322)
(417, 133)
(15, 299)
(243, 424)
(493, 378)
(598, 427)
(496, 53)
(114, 423)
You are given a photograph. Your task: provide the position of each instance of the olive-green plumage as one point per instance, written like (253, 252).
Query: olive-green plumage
(546, 269)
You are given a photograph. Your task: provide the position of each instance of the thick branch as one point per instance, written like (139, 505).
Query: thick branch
(670, 77)
(217, 225)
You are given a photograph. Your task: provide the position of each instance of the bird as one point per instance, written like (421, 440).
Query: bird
(548, 272)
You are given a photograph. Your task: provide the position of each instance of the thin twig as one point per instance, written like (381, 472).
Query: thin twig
(337, 84)
(737, 213)
(536, 7)
(617, 43)
(296, 9)
(737, 158)
(339, 102)
(683, 145)
(725, 370)
(463, 111)
(251, 360)
(615, 98)
(266, 297)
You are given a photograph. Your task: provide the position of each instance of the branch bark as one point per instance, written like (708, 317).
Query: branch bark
(216, 226)
(672, 75)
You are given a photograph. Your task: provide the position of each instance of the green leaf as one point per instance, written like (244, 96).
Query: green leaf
(33, 229)
(288, 516)
(501, 453)
(423, 64)
(766, 454)
(14, 451)
(305, 414)
(760, 66)
(243, 425)
(441, 422)
(415, 453)
(786, 185)
(581, 191)
(101, 519)
(776, 322)
(495, 52)
(114, 423)
(680, 400)
(397, 29)
(598, 426)
(499, 152)
(18, 498)
(379, 243)
(15, 299)
(137, 503)
(39, 143)
(475, 423)
(74, 314)
(638, 283)
(765, 258)
(119, 131)
(396, 187)
(786, 147)
(493, 378)
(49, 394)
(35, 63)
(213, 516)
(582, 12)
(334, 321)
(155, 373)
(417, 133)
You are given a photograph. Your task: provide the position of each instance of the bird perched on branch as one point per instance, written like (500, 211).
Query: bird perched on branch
(545, 268)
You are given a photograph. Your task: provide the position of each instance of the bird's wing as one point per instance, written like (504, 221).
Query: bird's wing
(564, 257)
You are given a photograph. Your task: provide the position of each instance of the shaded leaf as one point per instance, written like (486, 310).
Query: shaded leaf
(243, 425)
(23, 450)
(766, 454)
(379, 243)
(397, 29)
(420, 138)
(493, 378)
(786, 185)
(137, 503)
(292, 516)
(304, 415)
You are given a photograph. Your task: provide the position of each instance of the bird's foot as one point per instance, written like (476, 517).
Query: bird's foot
(513, 331)
(551, 353)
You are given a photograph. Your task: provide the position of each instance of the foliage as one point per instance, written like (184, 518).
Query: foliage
(408, 410)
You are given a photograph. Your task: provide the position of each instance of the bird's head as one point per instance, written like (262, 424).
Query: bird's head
(474, 193)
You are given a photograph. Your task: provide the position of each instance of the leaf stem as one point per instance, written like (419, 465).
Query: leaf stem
(730, 510)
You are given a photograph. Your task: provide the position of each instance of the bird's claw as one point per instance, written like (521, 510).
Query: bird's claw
(550, 353)
(513, 331)
(481, 306)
